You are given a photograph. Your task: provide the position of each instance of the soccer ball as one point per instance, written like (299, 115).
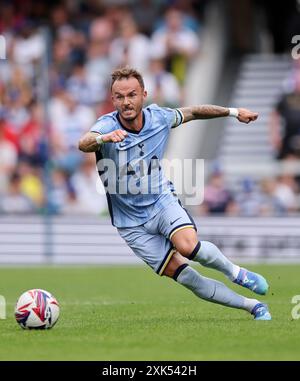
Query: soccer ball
(36, 309)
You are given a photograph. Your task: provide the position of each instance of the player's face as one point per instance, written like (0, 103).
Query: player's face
(128, 98)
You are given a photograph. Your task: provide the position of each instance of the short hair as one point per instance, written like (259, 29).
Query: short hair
(126, 72)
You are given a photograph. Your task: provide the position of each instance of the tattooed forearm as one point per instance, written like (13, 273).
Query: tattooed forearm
(88, 142)
(203, 112)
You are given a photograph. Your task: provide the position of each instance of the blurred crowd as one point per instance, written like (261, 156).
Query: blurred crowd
(267, 197)
(42, 119)
(41, 168)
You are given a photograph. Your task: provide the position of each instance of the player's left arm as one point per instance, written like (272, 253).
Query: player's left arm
(212, 111)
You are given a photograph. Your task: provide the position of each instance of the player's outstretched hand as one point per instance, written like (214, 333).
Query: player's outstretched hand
(246, 116)
(114, 136)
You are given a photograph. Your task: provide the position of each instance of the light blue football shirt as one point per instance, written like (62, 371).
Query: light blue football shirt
(135, 185)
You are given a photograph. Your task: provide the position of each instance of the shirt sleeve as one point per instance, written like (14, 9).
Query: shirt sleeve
(174, 117)
(102, 126)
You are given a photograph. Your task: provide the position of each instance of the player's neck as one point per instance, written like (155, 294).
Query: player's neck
(135, 125)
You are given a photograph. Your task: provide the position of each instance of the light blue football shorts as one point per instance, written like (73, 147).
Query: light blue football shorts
(152, 241)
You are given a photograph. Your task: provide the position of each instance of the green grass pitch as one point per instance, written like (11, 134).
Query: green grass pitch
(130, 313)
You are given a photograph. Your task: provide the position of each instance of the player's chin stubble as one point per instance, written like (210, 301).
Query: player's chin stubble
(131, 118)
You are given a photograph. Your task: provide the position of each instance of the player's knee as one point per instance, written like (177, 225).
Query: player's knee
(189, 248)
(185, 241)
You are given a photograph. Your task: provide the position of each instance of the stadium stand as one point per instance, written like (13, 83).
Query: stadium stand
(43, 196)
(247, 151)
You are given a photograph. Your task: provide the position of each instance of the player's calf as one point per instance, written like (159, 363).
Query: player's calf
(217, 292)
(209, 255)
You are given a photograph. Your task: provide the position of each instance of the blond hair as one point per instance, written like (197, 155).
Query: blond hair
(125, 73)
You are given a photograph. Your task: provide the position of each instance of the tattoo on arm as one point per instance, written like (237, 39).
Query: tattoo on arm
(88, 142)
(203, 112)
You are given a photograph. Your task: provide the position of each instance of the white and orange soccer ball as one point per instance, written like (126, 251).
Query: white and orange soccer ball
(36, 309)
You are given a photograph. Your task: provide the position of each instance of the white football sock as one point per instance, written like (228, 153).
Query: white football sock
(212, 290)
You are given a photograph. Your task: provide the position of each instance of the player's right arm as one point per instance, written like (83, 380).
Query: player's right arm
(91, 141)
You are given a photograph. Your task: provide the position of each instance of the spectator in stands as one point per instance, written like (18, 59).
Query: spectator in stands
(285, 124)
(17, 96)
(217, 198)
(286, 192)
(58, 193)
(69, 121)
(59, 19)
(116, 13)
(192, 12)
(61, 63)
(131, 47)
(272, 198)
(30, 135)
(177, 43)
(17, 88)
(162, 86)
(8, 151)
(17, 115)
(88, 188)
(7, 130)
(140, 8)
(28, 47)
(15, 201)
(31, 183)
(271, 205)
(10, 19)
(72, 205)
(288, 84)
(249, 199)
(85, 90)
(98, 63)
